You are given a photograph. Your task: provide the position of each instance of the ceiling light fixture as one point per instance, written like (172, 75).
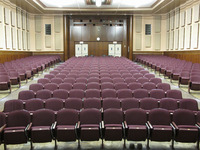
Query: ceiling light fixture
(98, 3)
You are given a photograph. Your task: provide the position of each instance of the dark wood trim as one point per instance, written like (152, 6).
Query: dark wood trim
(190, 55)
(6, 56)
(130, 38)
(66, 37)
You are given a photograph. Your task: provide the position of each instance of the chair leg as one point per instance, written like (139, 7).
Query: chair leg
(31, 145)
(124, 143)
(148, 144)
(79, 145)
(198, 145)
(5, 148)
(172, 144)
(55, 145)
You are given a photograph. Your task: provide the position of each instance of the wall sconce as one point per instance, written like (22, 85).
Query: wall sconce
(81, 42)
(114, 42)
(98, 38)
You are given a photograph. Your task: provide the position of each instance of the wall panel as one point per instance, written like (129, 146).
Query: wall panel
(14, 36)
(157, 41)
(187, 37)
(177, 18)
(19, 39)
(167, 41)
(172, 13)
(57, 24)
(58, 41)
(189, 16)
(13, 18)
(38, 24)
(138, 41)
(196, 13)
(195, 35)
(182, 38)
(8, 37)
(28, 41)
(7, 16)
(148, 41)
(157, 24)
(38, 41)
(138, 24)
(176, 39)
(24, 39)
(19, 23)
(1, 13)
(2, 37)
(47, 41)
(182, 18)
(171, 42)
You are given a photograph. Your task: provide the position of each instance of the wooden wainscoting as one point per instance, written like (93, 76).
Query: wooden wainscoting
(135, 53)
(6, 56)
(192, 55)
(60, 53)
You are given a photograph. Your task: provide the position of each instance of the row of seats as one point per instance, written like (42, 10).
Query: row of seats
(68, 125)
(91, 93)
(93, 85)
(12, 73)
(57, 104)
(185, 72)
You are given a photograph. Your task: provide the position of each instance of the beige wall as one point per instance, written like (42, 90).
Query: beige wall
(18, 30)
(14, 27)
(183, 27)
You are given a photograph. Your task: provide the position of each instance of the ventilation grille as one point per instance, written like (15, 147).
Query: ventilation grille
(47, 29)
(147, 29)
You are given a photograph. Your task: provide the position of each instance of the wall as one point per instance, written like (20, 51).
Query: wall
(43, 42)
(183, 27)
(14, 28)
(153, 42)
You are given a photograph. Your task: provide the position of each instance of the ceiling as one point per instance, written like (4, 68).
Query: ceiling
(88, 7)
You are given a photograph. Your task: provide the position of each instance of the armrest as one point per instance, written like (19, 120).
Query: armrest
(198, 125)
(149, 124)
(2, 128)
(28, 128)
(174, 126)
(125, 124)
(77, 126)
(102, 125)
(53, 126)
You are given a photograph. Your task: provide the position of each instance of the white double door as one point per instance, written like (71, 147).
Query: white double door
(81, 50)
(114, 50)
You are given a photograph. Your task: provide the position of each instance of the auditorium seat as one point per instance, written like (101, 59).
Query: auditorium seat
(43, 81)
(93, 85)
(17, 128)
(174, 94)
(5, 83)
(90, 128)
(194, 83)
(189, 104)
(36, 87)
(113, 128)
(43, 124)
(26, 94)
(135, 124)
(170, 104)
(107, 85)
(92, 103)
(65, 86)
(155, 80)
(184, 78)
(157, 93)
(135, 85)
(49, 76)
(57, 80)
(124, 93)
(90, 93)
(129, 103)
(13, 105)
(67, 124)
(149, 86)
(51, 86)
(184, 127)
(80, 85)
(60, 93)
(121, 85)
(74, 103)
(76, 93)
(159, 126)
(109, 93)
(44, 94)
(148, 103)
(54, 104)
(164, 86)
(111, 103)
(140, 93)
(33, 105)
